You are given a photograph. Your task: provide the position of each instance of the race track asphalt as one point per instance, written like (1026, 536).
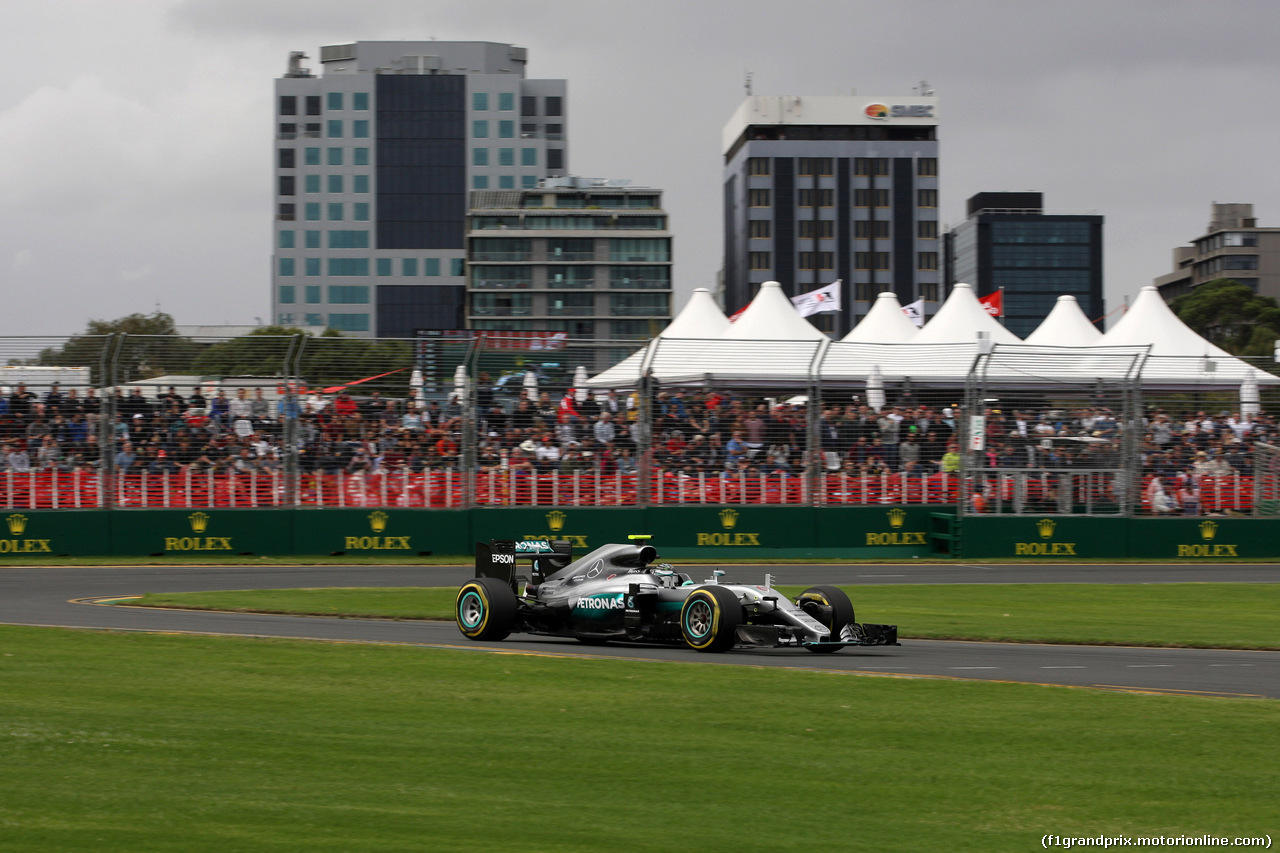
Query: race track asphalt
(54, 597)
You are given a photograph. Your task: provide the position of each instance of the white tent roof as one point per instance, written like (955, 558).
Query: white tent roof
(1178, 354)
(959, 320)
(885, 323)
(701, 317)
(772, 317)
(1066, 326)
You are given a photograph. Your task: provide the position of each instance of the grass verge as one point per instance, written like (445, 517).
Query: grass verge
(1226, 615)
(126, 742)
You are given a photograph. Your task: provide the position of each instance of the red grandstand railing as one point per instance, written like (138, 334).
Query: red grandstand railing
(445, 488)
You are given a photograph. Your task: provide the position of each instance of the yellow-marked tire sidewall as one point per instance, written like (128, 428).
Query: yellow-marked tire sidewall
(713, 632)
(477, 590)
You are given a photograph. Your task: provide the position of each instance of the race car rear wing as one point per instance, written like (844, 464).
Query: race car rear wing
(497, 559)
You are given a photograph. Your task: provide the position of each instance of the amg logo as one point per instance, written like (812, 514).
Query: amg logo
(1045, 549)
(906, 537)
(1208, 550)
(615, 603)
(377, 543)
(25, 546)
(197, 543)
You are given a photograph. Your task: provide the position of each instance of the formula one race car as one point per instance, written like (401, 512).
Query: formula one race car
(618, 592)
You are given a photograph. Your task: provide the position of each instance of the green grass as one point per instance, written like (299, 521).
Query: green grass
(144, 742)
(1227, 615)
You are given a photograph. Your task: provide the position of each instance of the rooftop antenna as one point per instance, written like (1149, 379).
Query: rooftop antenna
(747, 84)
(926, 91)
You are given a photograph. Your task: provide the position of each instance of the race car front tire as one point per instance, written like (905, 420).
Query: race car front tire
(710, 618)
(485, 609)
(830, 606)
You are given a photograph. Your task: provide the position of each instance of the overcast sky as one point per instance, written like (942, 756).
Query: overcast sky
(136, 135)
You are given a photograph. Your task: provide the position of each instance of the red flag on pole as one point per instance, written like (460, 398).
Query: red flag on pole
(993, 303)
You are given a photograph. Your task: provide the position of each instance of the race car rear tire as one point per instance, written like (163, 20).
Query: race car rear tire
(485, 609)
(710, 618)
(830, 606)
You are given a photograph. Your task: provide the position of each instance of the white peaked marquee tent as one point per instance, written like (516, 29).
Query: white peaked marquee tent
(772, 346)
(1066, 326)
(885, 323)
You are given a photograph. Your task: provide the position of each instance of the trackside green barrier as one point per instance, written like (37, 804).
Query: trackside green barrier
(684, 532)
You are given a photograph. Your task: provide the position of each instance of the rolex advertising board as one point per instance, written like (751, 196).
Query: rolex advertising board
(375, 531)
(202, 532)
(50, 533)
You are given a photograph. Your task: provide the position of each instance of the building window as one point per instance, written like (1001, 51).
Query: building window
(821, 229)
(431, 266)
(759, 198)
(288, 131)
(333, 101)
(506, 156)
(313, 319)
(286, 158)
(349, 294)
(759, 166)
(348, 239)
(528, 156)
(359, 183)
(409, 266)
(311, 266)
(286, 212)
(528, 105)
(926, 198)
(349, 322)
(457, 266)
(648, 278)
(553, 106)
(639, 304)
(480, 129)
(312, 239)
(288, 105)
(287, 295)
(506, 101)
(479, 182)
(528, 182)
(312, 211)
(285, 240)
(313, 105)
(815, 166)
(335, 211)
(1240, 262)
(639, 249)
(865, 198)
(479, 100)
(311, 130)
(761, 260)
(817, 260)
(927, 167)
(506, 182)
(865, 260)
(311, 183)
(882, 260)
(349, 266)
(927, 229)
(929, 291)
(926, 260)
(359, 100)
(335, 157)
(286, 185)
(507, 130)
(360, 211)
(360, 128)
(479, 156)
(334, 129)
(286, 266)
(807, 198)
(867, 166)
(760, 229)
(383, 266)
(866, 229)
(862, 292)
(311, 156)
(335, 183)
(360, 156)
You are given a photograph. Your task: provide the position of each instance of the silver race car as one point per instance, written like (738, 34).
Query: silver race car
(619, 592)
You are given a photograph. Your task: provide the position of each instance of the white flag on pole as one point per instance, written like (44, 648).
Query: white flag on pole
(915, 312)
(818, 301)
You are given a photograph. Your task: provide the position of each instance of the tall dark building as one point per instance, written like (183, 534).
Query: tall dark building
(1009, 242)
(824, 188)
(374, 164)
